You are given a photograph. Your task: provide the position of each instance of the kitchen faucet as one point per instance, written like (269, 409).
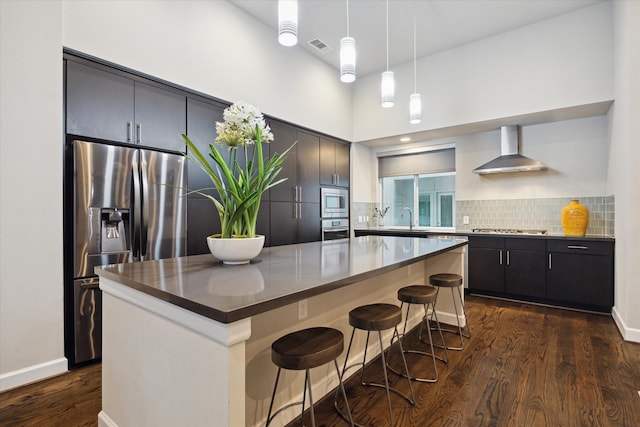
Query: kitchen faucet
(410, 217)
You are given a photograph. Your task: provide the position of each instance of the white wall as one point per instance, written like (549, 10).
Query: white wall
(561, 62)
(31, 326)
(624, 174)
(215, 48)
(575, 152)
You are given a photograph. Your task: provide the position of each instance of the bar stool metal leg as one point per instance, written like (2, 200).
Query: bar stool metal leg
(303, 350)
(424, 322)
(452, 280)
(384, 368)
(460, 329)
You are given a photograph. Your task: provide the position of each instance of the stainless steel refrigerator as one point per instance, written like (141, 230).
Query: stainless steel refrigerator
(127, 205)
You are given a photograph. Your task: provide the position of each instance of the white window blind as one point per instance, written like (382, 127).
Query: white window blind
(427, 162)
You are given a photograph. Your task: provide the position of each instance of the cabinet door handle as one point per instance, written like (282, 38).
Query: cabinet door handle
(507, 257)
(299, 211)
(549, 261)
(139, 133)
(299, 193)
(500, 257)
(584, 248)
(129, 130)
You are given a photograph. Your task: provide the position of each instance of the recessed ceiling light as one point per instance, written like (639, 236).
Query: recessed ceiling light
(405, 139)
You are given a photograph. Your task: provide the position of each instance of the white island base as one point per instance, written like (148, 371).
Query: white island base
(164, 365)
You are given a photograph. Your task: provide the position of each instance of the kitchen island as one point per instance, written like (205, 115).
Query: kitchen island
(186, 341)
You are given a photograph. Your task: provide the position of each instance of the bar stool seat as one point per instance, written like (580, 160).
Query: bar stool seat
(303, 350)
(425, 296)
(376, 317)
(446, 280)
(451, 281)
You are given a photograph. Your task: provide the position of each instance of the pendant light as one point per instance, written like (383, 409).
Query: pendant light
(415, 99)
(288, 22)
(347, 55)
(387, 83)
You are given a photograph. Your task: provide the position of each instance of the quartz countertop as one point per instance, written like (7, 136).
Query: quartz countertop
(279, 276)
(430, 233)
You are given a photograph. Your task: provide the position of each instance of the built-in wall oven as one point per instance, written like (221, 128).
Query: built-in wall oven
(334, 202)
(334, 229)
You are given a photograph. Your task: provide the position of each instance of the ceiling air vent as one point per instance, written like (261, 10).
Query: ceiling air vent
(321, 46)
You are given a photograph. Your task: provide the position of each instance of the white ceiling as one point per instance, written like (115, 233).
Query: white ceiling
(441, 24)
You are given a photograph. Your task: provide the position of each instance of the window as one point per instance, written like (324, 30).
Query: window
(424, 183)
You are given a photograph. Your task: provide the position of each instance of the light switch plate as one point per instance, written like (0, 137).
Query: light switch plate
(465, 219)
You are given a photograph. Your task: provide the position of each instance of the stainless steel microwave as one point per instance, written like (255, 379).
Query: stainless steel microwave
(334, 202)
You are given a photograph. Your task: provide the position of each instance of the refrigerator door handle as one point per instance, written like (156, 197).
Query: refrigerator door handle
(145, 212)
(135, 206)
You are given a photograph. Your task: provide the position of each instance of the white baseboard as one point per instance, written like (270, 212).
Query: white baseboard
(105, 421)
(628, 334)
(33, 373)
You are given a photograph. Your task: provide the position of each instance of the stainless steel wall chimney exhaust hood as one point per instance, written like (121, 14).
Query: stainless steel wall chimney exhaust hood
(510, 160)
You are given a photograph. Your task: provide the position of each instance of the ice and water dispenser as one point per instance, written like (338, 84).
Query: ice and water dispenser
(109, 236)
(114, 230)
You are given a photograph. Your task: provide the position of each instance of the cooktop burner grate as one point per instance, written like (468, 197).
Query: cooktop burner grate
(507, 231)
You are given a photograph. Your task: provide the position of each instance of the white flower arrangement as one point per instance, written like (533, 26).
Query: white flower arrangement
(239, 188)
(243, 124)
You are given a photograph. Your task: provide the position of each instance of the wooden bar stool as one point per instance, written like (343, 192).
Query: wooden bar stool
(376, 317)
(451, 280)
(425, 296)
(306, 349)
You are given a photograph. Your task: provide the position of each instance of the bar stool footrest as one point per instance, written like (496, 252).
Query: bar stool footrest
(421, 353)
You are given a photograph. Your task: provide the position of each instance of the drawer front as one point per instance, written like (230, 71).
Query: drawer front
(586, 247)
(525, 244)
(494, 242)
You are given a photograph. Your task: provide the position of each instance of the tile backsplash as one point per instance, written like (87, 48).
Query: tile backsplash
(534, 214)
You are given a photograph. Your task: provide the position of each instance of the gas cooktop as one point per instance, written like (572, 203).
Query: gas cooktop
(507, 231)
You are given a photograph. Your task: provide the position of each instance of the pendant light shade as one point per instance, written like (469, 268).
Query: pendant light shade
(347, 55)
(347, 59)
(415, 108)
(288, 22)
(387, 89)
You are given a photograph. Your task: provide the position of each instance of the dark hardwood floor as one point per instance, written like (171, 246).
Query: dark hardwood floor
(525, 365)
(70, 399)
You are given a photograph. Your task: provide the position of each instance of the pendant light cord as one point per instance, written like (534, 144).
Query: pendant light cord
(347, 18)
(414, 55)
(387, 35)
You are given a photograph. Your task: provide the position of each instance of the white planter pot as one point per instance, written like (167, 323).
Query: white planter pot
(237, 250)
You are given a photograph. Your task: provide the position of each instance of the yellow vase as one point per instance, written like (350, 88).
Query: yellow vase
(575, 219)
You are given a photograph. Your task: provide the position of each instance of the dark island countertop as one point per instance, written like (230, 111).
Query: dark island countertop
(279, 276)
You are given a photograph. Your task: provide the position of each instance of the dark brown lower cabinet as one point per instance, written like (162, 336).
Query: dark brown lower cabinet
(581, 272)
(524, 271)
(486, 272)
(507, 266)
(570, 272)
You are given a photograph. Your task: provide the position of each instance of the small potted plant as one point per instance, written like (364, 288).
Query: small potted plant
(239, 188)
(380, 213)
